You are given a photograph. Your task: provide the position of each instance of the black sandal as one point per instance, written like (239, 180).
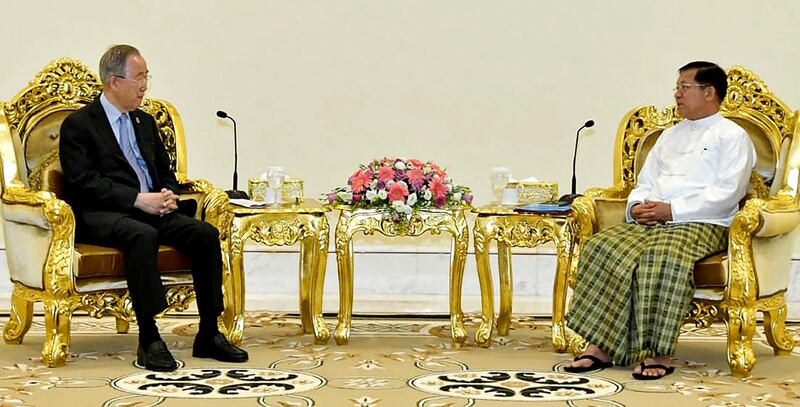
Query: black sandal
(597, 364)
(641, 376)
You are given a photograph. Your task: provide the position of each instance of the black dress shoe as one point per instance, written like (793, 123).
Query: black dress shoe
(217, 347)
(156, 357)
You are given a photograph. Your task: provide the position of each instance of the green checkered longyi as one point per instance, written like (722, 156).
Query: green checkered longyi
(635, 285)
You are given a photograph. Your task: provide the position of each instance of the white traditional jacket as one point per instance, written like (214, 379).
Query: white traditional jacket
(701, 168)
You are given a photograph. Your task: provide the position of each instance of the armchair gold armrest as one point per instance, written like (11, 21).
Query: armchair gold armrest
(43, 210)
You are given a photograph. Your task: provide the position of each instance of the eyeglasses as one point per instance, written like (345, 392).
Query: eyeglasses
(683, 87)
(142, 82)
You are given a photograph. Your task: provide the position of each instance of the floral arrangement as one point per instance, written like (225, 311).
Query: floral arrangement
(400, 185)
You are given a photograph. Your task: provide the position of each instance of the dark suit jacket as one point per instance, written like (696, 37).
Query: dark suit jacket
(100, 185)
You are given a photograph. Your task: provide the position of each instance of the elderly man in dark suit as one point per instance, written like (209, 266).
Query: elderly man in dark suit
(122, 191)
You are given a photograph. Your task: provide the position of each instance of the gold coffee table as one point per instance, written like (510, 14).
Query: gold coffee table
(282, 225)
(512, 229)
(369, 221)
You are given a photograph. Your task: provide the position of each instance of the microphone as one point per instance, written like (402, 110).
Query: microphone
(568, 198)
(233, 193)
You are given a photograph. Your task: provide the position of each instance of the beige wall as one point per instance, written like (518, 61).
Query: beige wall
(321, 86)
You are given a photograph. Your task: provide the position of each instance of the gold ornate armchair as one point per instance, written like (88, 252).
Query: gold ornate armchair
(754, 272)
(45, 264)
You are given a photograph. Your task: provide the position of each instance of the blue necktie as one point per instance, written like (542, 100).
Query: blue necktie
(127, 149)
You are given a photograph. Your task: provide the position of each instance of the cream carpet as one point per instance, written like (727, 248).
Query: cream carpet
(389, 362)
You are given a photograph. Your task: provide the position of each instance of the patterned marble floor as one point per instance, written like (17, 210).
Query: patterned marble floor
(389, 362)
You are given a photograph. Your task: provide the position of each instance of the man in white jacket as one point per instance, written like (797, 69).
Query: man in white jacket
(635, 279)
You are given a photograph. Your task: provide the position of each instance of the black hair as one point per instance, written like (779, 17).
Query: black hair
(709, 73)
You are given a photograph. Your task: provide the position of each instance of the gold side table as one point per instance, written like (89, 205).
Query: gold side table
(369, 221)
(511, 229)
(282, 225)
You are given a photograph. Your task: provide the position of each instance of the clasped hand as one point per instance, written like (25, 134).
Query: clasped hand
(651, 213)
(157, 203)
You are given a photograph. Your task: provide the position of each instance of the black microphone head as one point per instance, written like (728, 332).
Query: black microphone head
(589, 123)
(221, 114)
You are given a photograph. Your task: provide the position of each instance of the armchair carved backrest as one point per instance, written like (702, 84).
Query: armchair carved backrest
(754, 272)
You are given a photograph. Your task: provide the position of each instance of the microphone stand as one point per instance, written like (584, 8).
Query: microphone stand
(235, 193)
(567, 199)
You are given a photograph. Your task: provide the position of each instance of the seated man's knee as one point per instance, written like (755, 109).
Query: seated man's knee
(144, 234)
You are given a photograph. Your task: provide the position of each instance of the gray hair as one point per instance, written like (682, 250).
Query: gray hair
(112, 63)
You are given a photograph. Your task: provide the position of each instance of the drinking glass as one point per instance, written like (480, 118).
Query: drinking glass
(499, 178)
(275, 177)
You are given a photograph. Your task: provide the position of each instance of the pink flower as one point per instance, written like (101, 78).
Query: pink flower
(386, 174)
(331, 198)
(360, 180)
(415, 177)
(438, 188)
(439, 201)
(416, 163)
(468, 198)
(438, 170)
(398, 192)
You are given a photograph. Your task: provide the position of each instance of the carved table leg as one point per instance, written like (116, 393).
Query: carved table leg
(321, 333)
(19, 320)
(506, 287)
(482, 234)
(564, 256)
(308, 262)
(458, 258)
(344, 259)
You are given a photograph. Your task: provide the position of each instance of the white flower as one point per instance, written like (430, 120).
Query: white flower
(427, 194)
(382, 194)
(400, 165)
(373, 184)
(345, 196)
(457, 196)
(401, 207)
(371, 195)
(389, 183)
(412, 199)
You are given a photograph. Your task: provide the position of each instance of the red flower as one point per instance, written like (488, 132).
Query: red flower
(438, 170)
(360, 180)
(386, 174)
(438, 188)
(416, 177)
(398, 192)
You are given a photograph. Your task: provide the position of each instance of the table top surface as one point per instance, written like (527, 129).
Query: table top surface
(495, 209)
(308, 206)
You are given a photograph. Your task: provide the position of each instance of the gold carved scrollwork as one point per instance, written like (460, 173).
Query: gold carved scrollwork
(64, 81)
(747, 92)
(702, 314)
(742, 289)
(526, 233)
(640, 122)
(163, 113)
(36, 176)
(280, 232)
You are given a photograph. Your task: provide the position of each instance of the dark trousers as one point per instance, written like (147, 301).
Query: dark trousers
(138, 236)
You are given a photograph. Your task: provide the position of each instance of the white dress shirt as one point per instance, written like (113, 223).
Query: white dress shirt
(701, 168)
